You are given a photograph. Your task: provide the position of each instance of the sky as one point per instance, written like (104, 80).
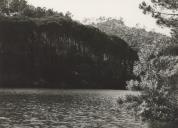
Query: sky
(81, 9)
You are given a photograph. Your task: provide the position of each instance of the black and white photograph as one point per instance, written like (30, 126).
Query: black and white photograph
(88, 63)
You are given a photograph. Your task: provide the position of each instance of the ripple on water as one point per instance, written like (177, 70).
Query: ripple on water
(64, 109)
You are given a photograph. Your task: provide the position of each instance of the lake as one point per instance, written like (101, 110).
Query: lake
(64, 109)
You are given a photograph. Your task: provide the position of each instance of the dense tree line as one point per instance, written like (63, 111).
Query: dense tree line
(55, 51)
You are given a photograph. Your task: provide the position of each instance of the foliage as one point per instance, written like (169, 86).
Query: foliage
(158, 71)
(158, 76)
(165, 11)
(22, 8)
(133, 85)
(157, 100)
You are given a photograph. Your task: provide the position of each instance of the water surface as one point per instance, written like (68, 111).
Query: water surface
(64, 109)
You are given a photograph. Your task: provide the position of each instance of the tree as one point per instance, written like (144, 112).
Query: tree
(157, 68)
(68, 15)
(29, 11)
(22, 8)
(4, 7)
(165, 11)
(17, 6)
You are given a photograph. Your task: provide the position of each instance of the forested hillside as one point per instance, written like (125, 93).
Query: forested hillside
(51, 50)
(136, 37)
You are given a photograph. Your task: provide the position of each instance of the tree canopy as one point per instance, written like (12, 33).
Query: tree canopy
(157, 68)
(165, 11)
(22, 8)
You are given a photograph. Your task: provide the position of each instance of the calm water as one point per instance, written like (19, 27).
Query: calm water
(64, 109)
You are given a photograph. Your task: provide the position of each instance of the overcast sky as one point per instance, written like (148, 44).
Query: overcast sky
(127, 9)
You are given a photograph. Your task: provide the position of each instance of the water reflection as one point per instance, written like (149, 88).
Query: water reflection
(65, 109)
